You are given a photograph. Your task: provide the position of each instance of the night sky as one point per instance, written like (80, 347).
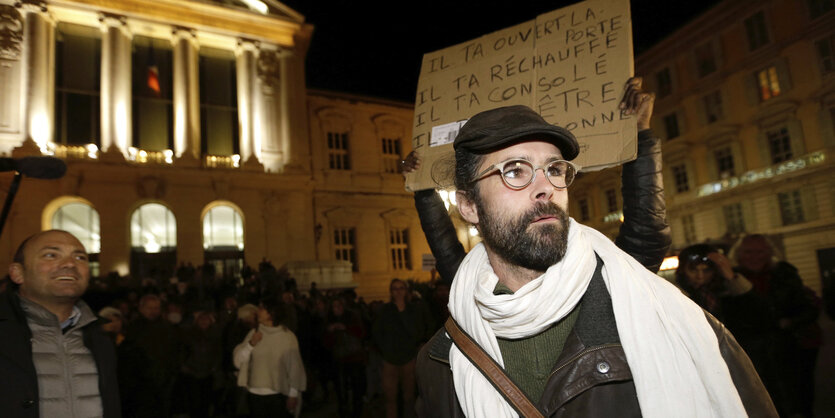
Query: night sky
(375, 47)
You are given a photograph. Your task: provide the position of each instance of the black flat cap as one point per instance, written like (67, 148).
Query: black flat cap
(505, 126)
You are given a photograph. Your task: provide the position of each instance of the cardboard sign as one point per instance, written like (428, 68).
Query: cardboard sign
(570, 65)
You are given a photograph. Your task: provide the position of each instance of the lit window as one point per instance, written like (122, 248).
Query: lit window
(756, 31)
(705, 59)
(338, 157)
(344, 245)
(223, 241)
(223, 229)
(153, 229)
(791, 207)
(82, 221)
(671, 125)
(826, 53)
(768, 83)
(680, 177)
(664, 83)
(153, 110)
(713, 106)
(779, 143)
(734, 220)
(77, 84)
(724, 162)
(391, 155)
(399, 244)
(218, 103)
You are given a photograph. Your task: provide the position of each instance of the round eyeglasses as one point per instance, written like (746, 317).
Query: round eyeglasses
(518, 173)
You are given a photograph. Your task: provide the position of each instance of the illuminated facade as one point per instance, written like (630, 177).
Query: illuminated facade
(190, 137)
(746, 109)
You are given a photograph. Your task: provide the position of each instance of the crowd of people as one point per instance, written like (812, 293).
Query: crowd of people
(198, 346)
(767, 308)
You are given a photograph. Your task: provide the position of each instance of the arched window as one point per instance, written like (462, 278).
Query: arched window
(153, 229)
(153, 235)
(223, 239)
(223, 229)
(80, 219)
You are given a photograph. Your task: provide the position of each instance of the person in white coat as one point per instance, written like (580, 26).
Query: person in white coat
(270, 365)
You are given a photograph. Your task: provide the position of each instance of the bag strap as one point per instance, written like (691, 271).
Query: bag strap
(491, 370)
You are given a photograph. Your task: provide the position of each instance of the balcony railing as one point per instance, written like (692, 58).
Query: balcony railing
(78, 152)
(142, 156)
(222, 161)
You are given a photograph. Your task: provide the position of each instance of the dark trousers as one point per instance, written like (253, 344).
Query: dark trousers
(268, 406)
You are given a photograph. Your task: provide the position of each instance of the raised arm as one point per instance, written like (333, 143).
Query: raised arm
(645, 233)
(437, 226)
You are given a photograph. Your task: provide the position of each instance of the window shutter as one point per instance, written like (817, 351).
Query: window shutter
(783, 75)
(764, 148)
(752, 93)
(748, 216)
(810, 203)
(721, 222)
(775, 218)
(796, 134)
(826, 119)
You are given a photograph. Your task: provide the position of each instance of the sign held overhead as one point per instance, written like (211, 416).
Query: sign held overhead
(569, 65)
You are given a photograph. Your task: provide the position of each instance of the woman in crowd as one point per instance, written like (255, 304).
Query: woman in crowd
(344, 335)
(116, 325)
(270, 365)
(399, 331)
(707, 277)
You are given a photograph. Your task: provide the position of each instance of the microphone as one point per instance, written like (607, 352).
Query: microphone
(35, 167)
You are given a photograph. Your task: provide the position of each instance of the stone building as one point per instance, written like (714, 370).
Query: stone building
(190, 137)
(746, 109)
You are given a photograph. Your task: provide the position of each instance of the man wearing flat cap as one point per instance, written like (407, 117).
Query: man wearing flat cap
(549, 317)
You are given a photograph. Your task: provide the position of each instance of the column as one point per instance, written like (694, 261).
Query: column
(39, 78)
(245, 69)
(116, 94)
(186, 95)
(11, 73)
(267, 104)
(294, 147)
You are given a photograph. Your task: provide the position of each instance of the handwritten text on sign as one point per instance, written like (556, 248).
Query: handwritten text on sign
(569, 65)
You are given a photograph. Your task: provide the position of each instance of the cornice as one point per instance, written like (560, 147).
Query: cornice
(201, 16)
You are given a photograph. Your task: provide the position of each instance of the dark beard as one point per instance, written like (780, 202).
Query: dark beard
(537, 249)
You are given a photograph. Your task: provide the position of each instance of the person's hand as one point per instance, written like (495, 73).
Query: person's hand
(722, 264)
(410, 163)
(291, 404)
(256, 338)
(637, 102)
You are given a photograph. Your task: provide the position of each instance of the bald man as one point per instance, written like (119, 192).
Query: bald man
(54, 360)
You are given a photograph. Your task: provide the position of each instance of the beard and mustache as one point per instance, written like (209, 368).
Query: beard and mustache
(537, 248)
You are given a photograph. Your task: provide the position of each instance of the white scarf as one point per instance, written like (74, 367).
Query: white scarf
(672, 351)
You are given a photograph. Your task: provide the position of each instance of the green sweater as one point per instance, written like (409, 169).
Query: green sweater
(529, 361)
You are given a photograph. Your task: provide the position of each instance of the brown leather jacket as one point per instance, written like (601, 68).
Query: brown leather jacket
(591, 377)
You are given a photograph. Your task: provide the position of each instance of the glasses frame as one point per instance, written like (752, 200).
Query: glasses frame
(500, 168)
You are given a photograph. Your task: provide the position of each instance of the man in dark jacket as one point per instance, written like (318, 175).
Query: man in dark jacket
(54, 360)
(580, 327)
